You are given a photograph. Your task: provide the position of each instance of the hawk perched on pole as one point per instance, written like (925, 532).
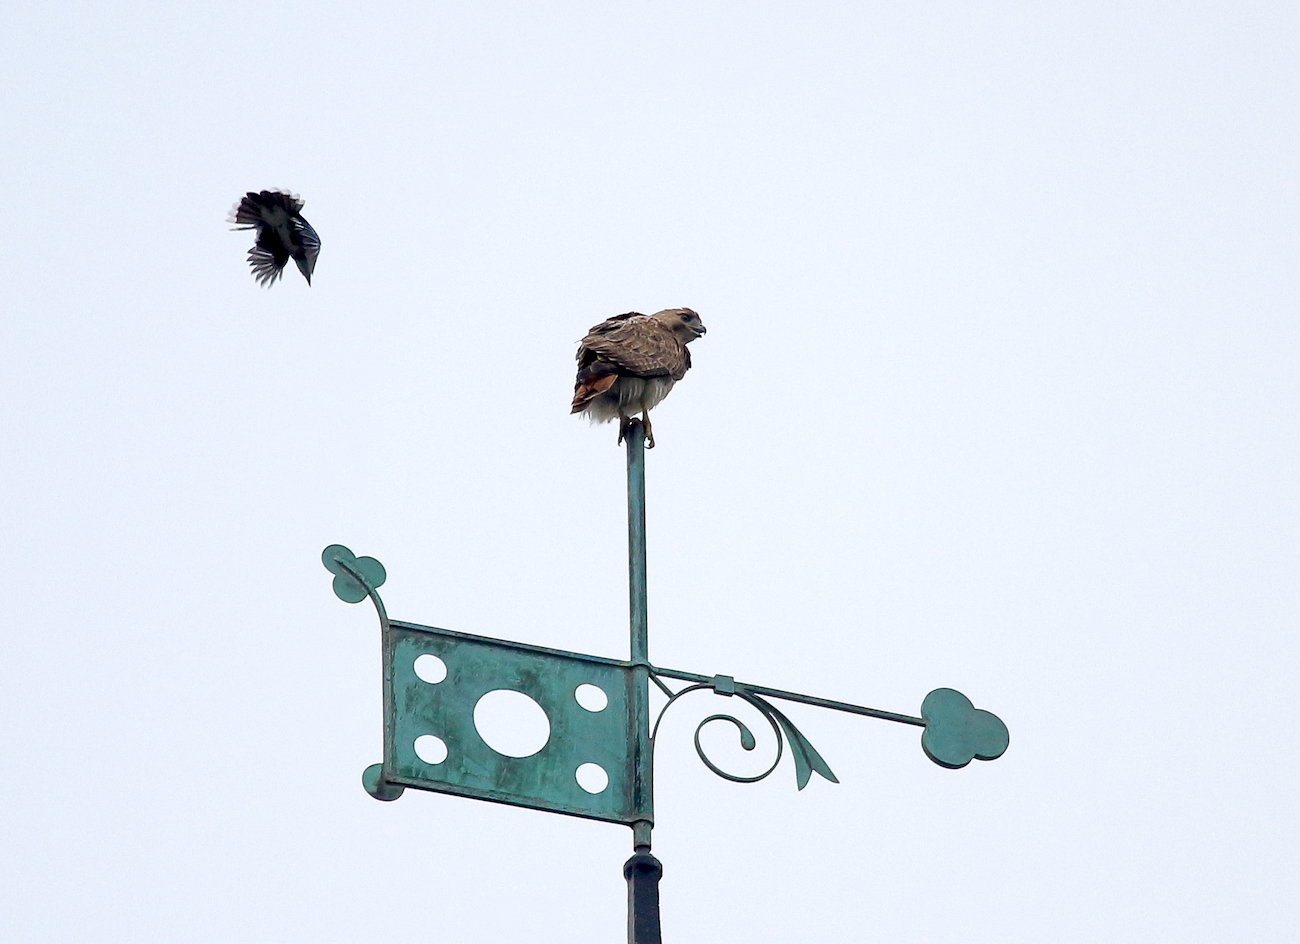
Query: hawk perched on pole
(282, 234)
(628, 363)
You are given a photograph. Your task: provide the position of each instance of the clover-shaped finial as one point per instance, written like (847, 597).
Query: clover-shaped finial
(372, 778)
(354, 577)
(957, 732)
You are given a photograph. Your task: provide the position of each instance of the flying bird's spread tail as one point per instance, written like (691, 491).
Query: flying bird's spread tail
(282, 234)
(628, 363)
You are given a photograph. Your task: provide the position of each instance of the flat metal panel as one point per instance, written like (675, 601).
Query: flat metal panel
(546, 780)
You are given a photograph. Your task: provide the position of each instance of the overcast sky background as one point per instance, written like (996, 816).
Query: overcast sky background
(999, 393)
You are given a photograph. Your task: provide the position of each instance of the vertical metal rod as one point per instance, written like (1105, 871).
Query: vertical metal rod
(643, 870)
(639, 696)
(390, 713)
(636, 541)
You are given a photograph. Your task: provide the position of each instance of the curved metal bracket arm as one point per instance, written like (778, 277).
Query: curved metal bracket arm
(726, 685)
(806, 758)
(356, 578)
(956, 732)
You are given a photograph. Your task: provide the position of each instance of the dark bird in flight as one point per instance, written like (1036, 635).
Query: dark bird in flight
(628, 363)
(282, 234)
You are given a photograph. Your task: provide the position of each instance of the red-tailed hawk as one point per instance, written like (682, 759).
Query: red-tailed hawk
(628, 363)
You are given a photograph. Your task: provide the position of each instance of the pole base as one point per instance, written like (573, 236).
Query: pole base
(643, 872)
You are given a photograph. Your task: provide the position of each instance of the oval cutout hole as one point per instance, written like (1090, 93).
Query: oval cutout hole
(591, 697)
(430, 749)
(511, 723)
(430, 668)
(592, 778)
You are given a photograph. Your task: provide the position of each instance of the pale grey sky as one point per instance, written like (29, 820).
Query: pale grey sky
(999, 393)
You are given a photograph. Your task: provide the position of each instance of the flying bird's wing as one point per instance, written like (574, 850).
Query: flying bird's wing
(267, 265)
(309, 243)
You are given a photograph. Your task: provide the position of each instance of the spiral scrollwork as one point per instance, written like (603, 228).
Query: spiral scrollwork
(806, 758)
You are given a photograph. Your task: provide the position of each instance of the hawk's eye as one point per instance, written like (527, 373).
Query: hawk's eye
(687, 317)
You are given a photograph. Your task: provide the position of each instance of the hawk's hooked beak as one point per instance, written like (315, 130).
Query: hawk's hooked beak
(700, 331)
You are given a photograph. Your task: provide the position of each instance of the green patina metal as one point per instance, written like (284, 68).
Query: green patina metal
(618, 738)
(546, 780)
(475, 666)
(956, 732)
(641, 764)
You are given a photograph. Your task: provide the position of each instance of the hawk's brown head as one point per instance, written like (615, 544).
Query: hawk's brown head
(682, 322)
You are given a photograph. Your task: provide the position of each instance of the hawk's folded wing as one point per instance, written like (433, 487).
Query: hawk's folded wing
(634, 344)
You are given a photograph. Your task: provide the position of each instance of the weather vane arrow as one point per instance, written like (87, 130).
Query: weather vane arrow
(598, 760)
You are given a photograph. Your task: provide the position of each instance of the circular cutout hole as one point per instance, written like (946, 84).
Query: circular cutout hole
(591, 697)
(430, 749)
(592, 778)
(430, 668)
(511, 723)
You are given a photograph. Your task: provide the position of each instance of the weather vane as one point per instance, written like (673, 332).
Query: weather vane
(434, 679)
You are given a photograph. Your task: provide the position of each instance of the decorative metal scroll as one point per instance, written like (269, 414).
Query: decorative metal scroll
(419, 706)
(806, 758)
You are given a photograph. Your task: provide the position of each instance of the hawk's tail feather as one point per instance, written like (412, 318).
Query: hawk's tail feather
(588, 390)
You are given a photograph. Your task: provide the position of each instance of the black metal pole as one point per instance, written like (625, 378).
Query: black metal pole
(643, 872)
